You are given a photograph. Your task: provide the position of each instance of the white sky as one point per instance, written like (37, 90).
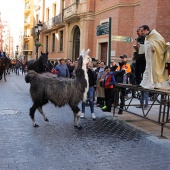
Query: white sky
(12, 11)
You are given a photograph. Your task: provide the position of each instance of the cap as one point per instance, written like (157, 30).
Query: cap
(123, 56)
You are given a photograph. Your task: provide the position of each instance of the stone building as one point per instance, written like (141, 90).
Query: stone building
(70, 25)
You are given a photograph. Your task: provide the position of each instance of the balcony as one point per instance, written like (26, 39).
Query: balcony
(52, 22)
(26, 48)
(72, 12)
(26, 37)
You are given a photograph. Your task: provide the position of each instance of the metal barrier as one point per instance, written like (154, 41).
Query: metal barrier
(163, 111)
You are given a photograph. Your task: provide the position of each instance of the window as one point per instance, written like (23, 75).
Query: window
(46, 40)
(61, 40)
(47, 14)
(37, 18)
(53, 42)
(54, 10)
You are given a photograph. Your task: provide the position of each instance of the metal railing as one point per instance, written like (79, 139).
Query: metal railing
(27, 6)
(25, 47)
(26, 36)
(52, 22)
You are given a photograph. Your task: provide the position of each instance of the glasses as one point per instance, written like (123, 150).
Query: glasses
(98, 63)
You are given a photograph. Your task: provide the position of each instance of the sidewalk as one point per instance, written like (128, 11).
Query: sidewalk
(141, 123)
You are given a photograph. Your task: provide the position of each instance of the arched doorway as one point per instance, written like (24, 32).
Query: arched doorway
(76, 43)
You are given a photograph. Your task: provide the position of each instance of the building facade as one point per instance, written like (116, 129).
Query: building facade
(70, 25)
(28, 44)
(6, 41)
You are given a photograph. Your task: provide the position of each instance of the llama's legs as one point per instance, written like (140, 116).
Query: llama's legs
(32, 112)
(42, 113)
(77, 114)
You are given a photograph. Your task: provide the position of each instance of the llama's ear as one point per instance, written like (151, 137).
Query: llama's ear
(47, 52)
(86, 53)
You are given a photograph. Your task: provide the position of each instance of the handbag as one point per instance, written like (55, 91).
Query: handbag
(101, 83)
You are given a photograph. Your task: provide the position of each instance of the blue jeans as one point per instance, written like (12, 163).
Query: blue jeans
(17, 70)
(145, 97)
(90, 95)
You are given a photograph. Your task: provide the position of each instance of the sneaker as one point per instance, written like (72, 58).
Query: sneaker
(146, 107)
(93, 116)
(106, 110)
(140, 106)
(104, 107)
(98, 105)
(82, 115)
(126, 97)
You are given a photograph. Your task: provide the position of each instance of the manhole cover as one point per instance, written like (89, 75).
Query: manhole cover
(8, 112)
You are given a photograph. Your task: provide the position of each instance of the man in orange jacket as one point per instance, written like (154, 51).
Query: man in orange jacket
(123, 68)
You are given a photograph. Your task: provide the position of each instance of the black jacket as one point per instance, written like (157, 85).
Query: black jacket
(141, 40)
(92, 77)
(113, 68)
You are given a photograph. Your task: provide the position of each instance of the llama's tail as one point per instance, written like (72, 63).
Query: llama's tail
(29, 76)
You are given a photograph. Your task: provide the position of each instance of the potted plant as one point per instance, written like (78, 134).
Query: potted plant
(38, 44)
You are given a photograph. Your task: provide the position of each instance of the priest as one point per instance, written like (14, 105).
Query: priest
(157, 55)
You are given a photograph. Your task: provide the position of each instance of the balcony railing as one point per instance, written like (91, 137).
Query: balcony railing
(52, 22)
(27, 20)
(27, 6)
(71, 10)
(26, 36)
(25, 47)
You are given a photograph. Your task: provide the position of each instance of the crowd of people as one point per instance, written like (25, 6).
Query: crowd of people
(141, 71)
(102, 79)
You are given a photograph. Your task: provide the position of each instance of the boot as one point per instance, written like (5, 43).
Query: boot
(120, 112)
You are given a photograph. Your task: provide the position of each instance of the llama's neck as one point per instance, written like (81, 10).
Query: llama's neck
(87, 80)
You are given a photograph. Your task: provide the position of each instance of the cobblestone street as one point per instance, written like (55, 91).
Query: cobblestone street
(104, 144)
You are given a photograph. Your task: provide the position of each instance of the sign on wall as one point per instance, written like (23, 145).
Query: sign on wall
(121, 38)
(102, 29)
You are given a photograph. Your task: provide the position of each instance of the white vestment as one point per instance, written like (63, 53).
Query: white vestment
(155, 75)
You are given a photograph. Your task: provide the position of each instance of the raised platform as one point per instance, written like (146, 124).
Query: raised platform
(158, 106)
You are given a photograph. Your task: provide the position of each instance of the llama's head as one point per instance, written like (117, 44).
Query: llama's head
(84, 58)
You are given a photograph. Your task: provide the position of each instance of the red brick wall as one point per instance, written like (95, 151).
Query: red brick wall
(125, 20)
(163, 18)
(122, 23)
(89, 36)
(125, 28)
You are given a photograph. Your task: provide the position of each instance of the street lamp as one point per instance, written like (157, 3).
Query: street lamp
(16, 51)
(38, 29)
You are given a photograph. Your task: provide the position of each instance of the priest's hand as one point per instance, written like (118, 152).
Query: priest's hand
(152, 49)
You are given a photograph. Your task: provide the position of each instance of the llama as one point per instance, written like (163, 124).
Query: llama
(59, 91)
(38, 65)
